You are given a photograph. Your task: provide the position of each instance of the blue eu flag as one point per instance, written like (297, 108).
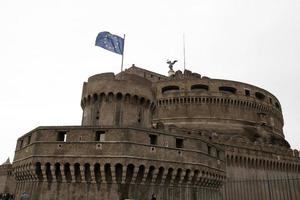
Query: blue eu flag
(110, 42)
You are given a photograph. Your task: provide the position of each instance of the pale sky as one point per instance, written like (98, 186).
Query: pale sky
(47, 51)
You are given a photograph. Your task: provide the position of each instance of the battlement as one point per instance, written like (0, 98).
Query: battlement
(111, 149)
(142, 132)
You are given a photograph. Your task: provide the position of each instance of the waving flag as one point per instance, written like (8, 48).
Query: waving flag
(110, 42)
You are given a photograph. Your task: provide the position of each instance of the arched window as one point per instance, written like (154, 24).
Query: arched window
(227, 90)
(260, 96)
(170, 88)
(199, 88)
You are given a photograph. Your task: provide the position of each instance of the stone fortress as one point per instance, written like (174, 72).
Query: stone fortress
(179, 137)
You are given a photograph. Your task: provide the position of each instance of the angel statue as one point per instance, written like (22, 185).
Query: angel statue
(171, 64)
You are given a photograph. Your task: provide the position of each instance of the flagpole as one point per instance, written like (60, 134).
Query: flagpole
(183, 52)
(123, 54)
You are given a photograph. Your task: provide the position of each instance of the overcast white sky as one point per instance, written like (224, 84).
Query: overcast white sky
(47, 51)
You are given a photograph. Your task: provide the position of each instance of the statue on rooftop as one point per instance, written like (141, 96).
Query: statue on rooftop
(171, 64)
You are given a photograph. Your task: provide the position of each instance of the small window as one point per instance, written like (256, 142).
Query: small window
(271, 100)
(100, 136)
(209, 150)
(29, 139)
(218, 154)
(277, 105)
(62, 136)
(153, 139)
(179, 143)
(21, 143)
(247, 92)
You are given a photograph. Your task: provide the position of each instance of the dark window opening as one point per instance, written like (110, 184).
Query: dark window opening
(209, 150)
(29, 139)
(179, 143)
(171, 88)
(21, 143)
(100, 136)
(199, 88)
(271, 100)
(247, 92)
(139, 117)
(218, 154)
(277, 105)
(119, 96)
(62, 136)
(153, 139)
(227, 90)
(97, 115)
(259, 95)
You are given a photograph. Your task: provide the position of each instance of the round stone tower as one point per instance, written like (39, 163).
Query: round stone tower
(231, 108)
(124, 100)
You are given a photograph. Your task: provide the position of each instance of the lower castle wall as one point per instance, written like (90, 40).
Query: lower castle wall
(7, 181)
(250, 183)
(3, 178)
(94, 191)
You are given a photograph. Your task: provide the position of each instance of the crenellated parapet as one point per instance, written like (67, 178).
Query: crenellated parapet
(125, 100)
(127, 171)
(262, 158)
(184, 136)
(117, 155)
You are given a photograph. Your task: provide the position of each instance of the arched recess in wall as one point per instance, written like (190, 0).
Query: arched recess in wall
(140, 174)
(38, 171)
(160, 175)
(67, 172)
(260, 96)
(169, 176)
(186, 176)
(58, 174)
(199, 88)
(227, 90)
(170, 89)
(129, 173)
(97, 172)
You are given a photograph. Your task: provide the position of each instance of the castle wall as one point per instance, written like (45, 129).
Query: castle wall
(3, 179)
(93, 191)
(117, 101)
(124, 160)
(7, 182)
(179, 137)
(220, 106)
(262, 173)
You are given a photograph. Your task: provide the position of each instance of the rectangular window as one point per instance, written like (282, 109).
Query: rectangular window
(62, 136)
(29, 139)
(179, 143)
(247, 92)
(21, 143)
(218, 154)
(153, 139)
(209, 150)
(100, 136)
(271, 101)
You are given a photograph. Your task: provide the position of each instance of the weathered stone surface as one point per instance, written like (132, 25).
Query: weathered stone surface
(179, 137)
